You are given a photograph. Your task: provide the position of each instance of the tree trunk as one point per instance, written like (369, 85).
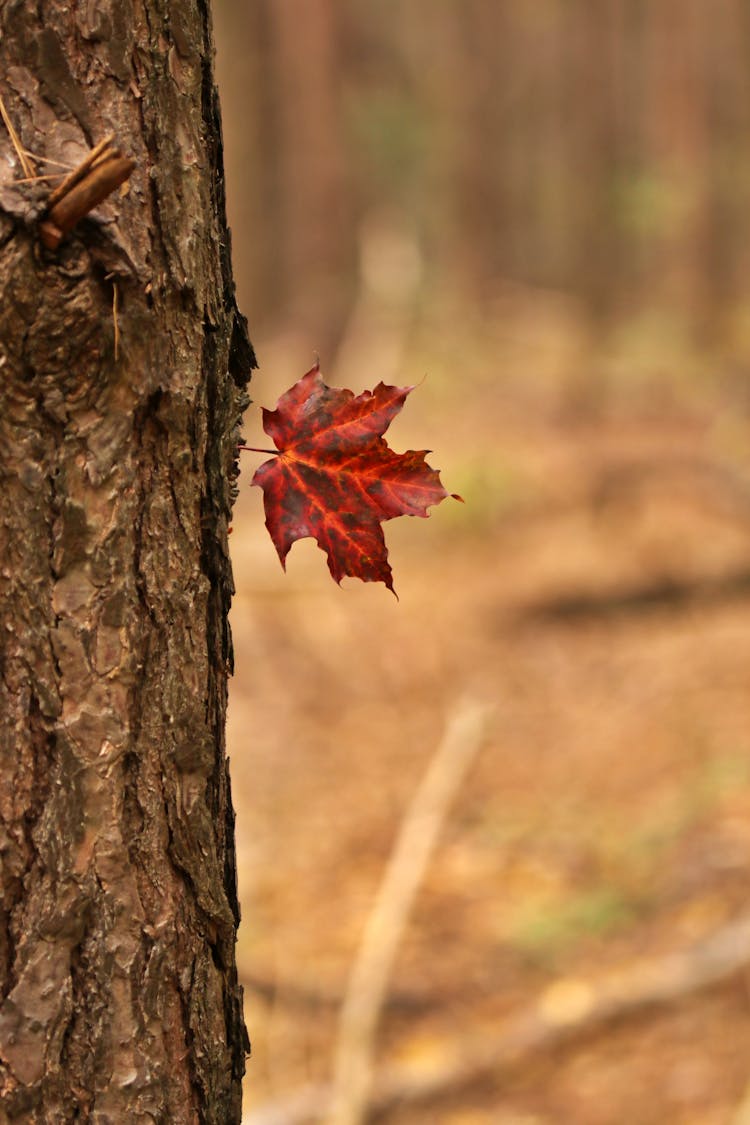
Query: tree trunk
(119, 999)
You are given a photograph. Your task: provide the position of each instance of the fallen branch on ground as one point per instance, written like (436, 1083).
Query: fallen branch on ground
(373, 965)
(665, 594)
(566, 1011)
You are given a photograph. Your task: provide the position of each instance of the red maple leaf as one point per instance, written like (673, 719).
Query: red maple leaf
(335, 478)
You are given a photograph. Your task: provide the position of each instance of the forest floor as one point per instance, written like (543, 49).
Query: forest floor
(595, 591)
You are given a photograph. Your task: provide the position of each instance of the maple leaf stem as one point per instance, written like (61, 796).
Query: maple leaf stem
(254, 449)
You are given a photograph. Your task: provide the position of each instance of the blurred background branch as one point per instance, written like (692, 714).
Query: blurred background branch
(373, 964)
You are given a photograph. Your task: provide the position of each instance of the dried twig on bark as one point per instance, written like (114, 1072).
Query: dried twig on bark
(23, 157)
(99, 173)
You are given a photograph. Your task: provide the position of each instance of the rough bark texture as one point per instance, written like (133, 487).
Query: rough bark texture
(119, 999)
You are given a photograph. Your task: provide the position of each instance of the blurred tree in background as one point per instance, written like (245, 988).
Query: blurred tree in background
(599, 149)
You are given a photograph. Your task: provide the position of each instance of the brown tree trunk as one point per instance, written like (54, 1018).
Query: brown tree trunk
(119, 999)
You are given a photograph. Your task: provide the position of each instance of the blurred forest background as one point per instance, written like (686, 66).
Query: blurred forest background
(538, 212)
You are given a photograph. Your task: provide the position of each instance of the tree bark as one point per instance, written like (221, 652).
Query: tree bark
(119, 999)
